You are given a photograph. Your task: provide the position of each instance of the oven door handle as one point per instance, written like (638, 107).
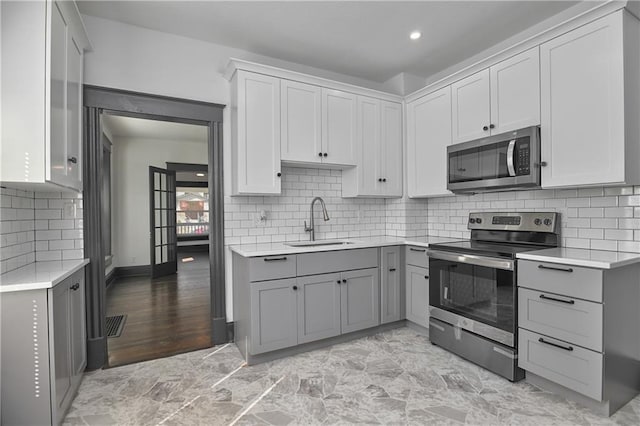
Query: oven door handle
(471, 259)
(510, 149)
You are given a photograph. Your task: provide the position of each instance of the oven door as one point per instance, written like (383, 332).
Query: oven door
(476, 293)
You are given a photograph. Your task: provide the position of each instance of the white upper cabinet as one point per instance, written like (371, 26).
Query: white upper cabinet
(378, 151)
(301, 117)
(391, 149)
(428, 135)
(339, 127)
(42, 94)
(515, 92)
(498, 99)
(255, 121)
(471, 115)
(590, 89)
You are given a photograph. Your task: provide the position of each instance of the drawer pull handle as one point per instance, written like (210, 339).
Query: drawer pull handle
(392, 269)
(553, 268)
(566, 348)
(426, 277)
(75, 286)
(344, 281)
(568, 302)
(274, 259)
(418, 250)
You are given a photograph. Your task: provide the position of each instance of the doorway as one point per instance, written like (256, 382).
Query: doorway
(170, 296)
(158, 298)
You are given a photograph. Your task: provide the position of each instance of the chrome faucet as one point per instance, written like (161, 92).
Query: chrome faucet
(325, 215)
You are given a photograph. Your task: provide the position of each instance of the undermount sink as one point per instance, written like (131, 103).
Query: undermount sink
(318, 243)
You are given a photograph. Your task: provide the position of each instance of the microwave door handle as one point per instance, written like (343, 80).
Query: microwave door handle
(510, 149)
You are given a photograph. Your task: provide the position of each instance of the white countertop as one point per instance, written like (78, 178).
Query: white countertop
(582, 257)
(39, 275)
(273, 249)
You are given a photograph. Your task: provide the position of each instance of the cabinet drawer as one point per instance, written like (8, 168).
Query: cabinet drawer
(336, 261)
(272, 267)
(417, 256)
(574, 367)
(573, 281)
(572, 320)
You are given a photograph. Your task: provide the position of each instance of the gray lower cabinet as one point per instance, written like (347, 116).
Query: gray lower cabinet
(417, 295)
(43, 351)
(578, 331)
(360, 299)
(293, 307)
(319, 307)
(274, 318)
(390, 285)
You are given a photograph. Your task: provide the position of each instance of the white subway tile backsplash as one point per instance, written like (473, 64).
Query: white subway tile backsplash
(31, 227)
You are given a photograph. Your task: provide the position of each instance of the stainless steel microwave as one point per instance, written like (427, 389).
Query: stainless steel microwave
(506, 161)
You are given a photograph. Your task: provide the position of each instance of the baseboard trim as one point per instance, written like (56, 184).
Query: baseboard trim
(132, 271)
(110, 278)
(230, 331)
(219, 330)
(96, 353)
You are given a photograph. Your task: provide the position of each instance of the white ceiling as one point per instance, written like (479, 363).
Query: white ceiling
(357, 38)
(138, 128)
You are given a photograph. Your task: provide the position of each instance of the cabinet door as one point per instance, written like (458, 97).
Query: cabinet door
(318, 307)
(360, 299)
(273, 315)
(74, 115)
(390, 154)
(78, 324)
(428, 135)
(582, 95)
(339, 127)
(417, 289)
(470, 99)
(369, 147)
(57, 146)
(301, 116)
(258, 127)
(390, 303)
(515, 92)
(59, 317)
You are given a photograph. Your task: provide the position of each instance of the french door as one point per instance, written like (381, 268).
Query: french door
(162, 221)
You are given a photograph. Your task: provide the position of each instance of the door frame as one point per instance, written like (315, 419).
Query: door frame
(97, 100)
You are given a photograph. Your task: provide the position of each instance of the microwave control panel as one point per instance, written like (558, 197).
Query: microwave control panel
(523, 157)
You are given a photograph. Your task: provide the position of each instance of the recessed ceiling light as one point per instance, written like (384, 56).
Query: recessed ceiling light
(200, 174)
(415, 35)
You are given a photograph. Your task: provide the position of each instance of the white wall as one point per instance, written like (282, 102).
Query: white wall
(130, 159)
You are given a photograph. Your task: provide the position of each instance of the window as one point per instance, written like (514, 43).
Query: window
(192, 213)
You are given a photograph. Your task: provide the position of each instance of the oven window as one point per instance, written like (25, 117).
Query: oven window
(477, 292)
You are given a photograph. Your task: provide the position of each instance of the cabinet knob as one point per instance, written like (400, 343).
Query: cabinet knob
(325, 154)
(278, 174)
(338, 281)
(379, 179)
(75, 286)
(295, 287)
(319, 154)
(542, 164)
(344, 281)
(73, 160)
(485, 128)
(426, 277)
(384, 179)
(492, 126)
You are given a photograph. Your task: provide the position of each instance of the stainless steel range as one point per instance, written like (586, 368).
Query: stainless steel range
(473, 289)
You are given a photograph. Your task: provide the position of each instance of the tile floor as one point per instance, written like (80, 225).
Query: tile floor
(395, 377)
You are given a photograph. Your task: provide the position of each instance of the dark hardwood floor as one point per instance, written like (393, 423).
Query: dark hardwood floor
(165, 316)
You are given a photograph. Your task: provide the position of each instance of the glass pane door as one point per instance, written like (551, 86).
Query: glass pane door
(162, 202)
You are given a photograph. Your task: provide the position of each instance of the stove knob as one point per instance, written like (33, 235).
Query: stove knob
(478, 220)
(547, 222)
(537, 221)
(472, 220)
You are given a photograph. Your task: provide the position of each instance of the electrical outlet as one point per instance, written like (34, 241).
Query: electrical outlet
(69, 210)
(260, 218)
